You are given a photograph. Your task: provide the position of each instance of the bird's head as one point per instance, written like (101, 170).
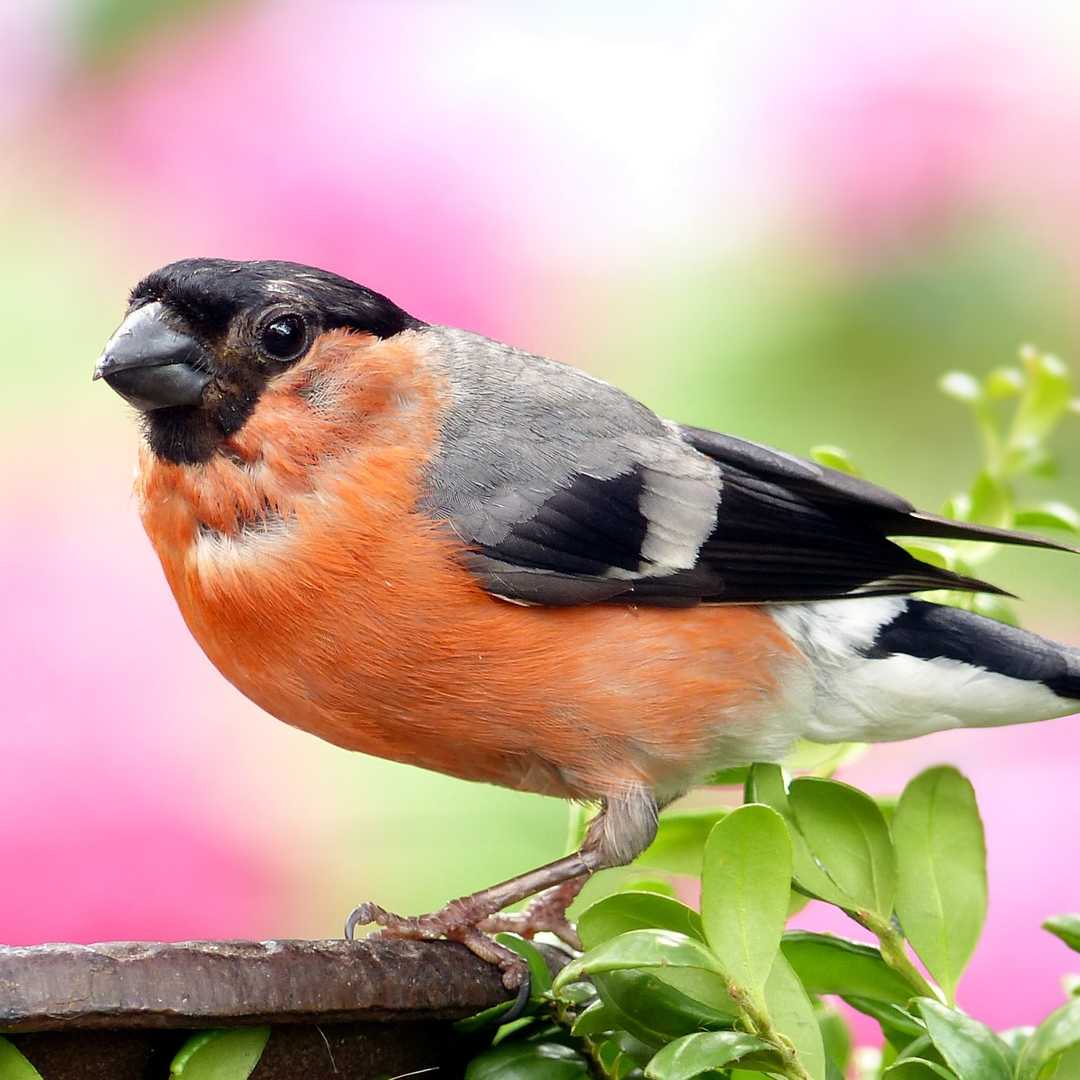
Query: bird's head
(203, 338)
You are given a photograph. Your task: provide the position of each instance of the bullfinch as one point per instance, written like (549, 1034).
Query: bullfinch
(419, 543)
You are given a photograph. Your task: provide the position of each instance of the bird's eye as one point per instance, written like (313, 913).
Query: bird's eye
(284, 338)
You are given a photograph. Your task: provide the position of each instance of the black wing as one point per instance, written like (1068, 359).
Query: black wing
(781, 529)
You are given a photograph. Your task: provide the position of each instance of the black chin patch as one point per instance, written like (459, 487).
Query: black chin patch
(208, 296)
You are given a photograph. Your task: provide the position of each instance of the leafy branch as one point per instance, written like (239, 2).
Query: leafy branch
(664, 992)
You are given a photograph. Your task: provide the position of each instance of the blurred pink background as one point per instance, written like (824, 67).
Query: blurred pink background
(782, 223)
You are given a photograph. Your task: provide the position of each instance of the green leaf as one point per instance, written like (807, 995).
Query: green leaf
(820, 759)
(1066, 927)
(765, 784)
(990, 501)
(836, 1036)
(680, 840)
(230, 1054)
(847, 834)
(960, 386)
(897, 1025)
(639, 949)
(539, 972)
(1059, 1032)
(1064, 1067)
(595, 1020)
(616, 879)
(918, 1069)
(1045, 400)
(528, 1061)
(622, 1056)
(745, 885)
(1004, 382)
(1015, 1038)
(994, 607)
(696, 1055)
(13, 1063)
(661, 1004)
(1049, 515)
(733, 777)
(623, 911)
(792, 1014)
(834, 965)
(969, 1047)
(940, 555)
(958, 506)
(941, 857)
(833, 457)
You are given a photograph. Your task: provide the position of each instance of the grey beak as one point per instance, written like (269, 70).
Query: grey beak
(152, 365)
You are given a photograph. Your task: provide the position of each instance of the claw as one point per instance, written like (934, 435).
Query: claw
(521, 1002)
(453, 923)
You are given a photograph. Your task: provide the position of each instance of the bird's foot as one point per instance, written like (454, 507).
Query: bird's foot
(458, 921)
(546, 913)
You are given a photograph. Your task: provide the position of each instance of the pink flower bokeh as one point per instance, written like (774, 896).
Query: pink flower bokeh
(501, 172)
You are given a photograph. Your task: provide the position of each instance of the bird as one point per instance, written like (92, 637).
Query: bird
(417, 542)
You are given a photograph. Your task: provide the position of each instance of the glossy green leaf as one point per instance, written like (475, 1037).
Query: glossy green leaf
(698, 1054)
(745, 885)
(13, 1063)
(624, 911)
(793, 1015)
(577, 993)
(847, 834)
(960, 386)
(1058, 1033)
(834, 965)
(1049, 515)
(765, 784)
(680, 840)
(968, 1046)
(220, 1055)
(659, 1005)
(520, 1060)
(941, 856)
(640, 949)
(595, 1020)
(622, 1056)
(1066, 927)
(833, 457)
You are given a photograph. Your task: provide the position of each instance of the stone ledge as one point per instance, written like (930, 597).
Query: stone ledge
(203, 984)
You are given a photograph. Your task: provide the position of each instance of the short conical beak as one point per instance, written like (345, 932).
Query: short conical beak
(152, 365)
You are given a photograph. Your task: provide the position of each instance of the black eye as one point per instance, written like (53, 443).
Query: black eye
(285, 338)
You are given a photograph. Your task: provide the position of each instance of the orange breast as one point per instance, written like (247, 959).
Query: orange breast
(306, 574)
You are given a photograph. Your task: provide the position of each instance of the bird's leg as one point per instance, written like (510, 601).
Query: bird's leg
(619, 833)
(546, 913)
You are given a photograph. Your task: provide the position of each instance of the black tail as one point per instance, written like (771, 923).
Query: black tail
(916, 523)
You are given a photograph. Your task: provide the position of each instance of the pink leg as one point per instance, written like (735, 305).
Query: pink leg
(618, 834)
